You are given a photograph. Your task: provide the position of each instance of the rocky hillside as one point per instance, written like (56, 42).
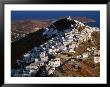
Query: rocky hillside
(66, 48)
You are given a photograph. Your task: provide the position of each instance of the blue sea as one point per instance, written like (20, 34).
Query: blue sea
(54, 15)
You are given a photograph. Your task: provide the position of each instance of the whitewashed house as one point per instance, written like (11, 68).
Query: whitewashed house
(36, 60)
(46, 31)
(57, 62)
(51, 63)
(93, 48)
(32, 67)
(40, 63)
(85, 55)
(79, 56)
(25, 75)
(32, 71)
(71, 50)
(42, 54)
(53, 47)
(70, 39)
(72, 26)
(66, 43)
(65, 49)
(47, 67)
(54, 62)
(88, 49)
(69, 18)
(50, 51)
(26, 55)
(96, 59)
(57, 50)
(51, 71)
(44, 59)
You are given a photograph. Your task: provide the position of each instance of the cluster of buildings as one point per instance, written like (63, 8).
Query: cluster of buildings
(45, 54)
(16, 36)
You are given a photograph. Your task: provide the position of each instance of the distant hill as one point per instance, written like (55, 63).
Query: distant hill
(20, 28)
(28, 26)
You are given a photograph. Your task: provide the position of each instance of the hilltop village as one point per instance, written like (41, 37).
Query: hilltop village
(72, 52)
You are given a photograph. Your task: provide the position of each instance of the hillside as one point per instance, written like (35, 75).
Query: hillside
(65, 48)
(20, 28)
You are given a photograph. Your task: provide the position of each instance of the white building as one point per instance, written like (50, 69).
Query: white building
(25, 75)
(42, 54)
(66, 43)
(69, 18)
(40, 63)
(93, 48)
(46, 31)
(78, 56)
(96, 59)
(32, 71)
(65, 49)
(36, 60)
(85, 55)
(32, 66)
(72, 47)
(36, 64)
(54, 62)
(96, 52)
(44, 59)
(26, 55)
(88, 49)
(50, 51)
(53, 47)
(47, 67)
(51, 71)
(57, 62)
(51, 63)
(72, 50)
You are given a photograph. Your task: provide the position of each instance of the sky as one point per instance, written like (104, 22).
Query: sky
(43, 15)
